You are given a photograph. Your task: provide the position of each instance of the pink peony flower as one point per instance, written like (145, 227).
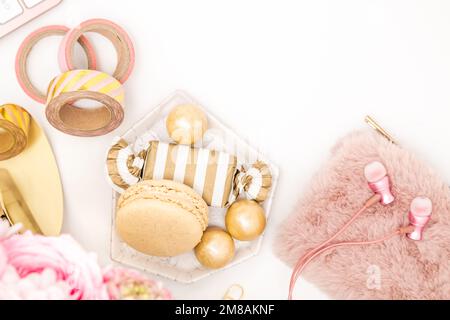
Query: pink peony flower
(5, 232)
(125, 284)
(30, 254)
(57, 268)
(36, 286)
(3, 261)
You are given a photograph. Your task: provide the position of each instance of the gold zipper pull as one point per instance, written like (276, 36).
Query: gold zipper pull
(371, 122)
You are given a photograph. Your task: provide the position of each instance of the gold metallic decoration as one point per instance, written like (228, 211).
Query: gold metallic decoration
(234, 293)
(371, 122)
(13, 206)
(30, 185)
(14, 129)
(187, 124)
(246, 220)
(216, 250)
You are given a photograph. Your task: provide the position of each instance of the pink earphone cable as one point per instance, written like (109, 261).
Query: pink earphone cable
(371, 202)
(311, 256)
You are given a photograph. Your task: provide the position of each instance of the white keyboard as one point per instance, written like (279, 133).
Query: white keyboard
(15, 13)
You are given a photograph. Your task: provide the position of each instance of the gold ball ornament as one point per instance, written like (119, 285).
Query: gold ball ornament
(246, 220)
(216, 250)
(187, 124)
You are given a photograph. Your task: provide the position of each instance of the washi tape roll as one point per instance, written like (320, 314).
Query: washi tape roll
(65, 90)
(111, 31)
(27, 46)
(14, 128)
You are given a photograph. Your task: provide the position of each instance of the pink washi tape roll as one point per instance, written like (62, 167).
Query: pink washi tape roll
(111, 31)
(27, 46)
(82, 86)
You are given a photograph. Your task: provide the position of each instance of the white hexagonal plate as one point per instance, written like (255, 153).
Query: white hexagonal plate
(186, 268)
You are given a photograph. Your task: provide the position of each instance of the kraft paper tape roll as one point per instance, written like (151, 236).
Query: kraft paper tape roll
(77, 85)
(111, 31)
(27, 46)
(14, 128)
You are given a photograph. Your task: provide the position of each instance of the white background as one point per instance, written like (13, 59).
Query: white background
(289, 76)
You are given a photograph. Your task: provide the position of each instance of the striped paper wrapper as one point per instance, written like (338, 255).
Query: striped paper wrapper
(210, 173)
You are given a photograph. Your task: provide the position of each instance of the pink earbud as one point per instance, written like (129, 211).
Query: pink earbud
(419, 216)
(379, 183)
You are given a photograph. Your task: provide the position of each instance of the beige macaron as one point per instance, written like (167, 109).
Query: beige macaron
(161, 218)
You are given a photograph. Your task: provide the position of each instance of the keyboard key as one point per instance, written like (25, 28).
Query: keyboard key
(9, 9)
(32, 3)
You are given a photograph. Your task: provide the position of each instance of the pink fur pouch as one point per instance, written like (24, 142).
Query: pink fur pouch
(398, 269)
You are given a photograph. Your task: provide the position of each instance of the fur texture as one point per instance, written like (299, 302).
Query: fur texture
(399, 269)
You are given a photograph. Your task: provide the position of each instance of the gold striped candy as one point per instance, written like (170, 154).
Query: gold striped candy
(210, 173)
(14, 127)
(76, 85)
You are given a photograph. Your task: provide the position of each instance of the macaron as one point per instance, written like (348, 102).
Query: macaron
(161, 218)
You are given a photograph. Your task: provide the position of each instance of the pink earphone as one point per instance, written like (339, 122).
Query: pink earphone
(379, 183)
(419, 216)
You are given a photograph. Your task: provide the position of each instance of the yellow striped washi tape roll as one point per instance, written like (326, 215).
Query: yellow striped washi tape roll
(14, 127)
(80, 86)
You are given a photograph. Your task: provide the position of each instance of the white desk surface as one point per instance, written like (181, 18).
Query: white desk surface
(290, 76)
